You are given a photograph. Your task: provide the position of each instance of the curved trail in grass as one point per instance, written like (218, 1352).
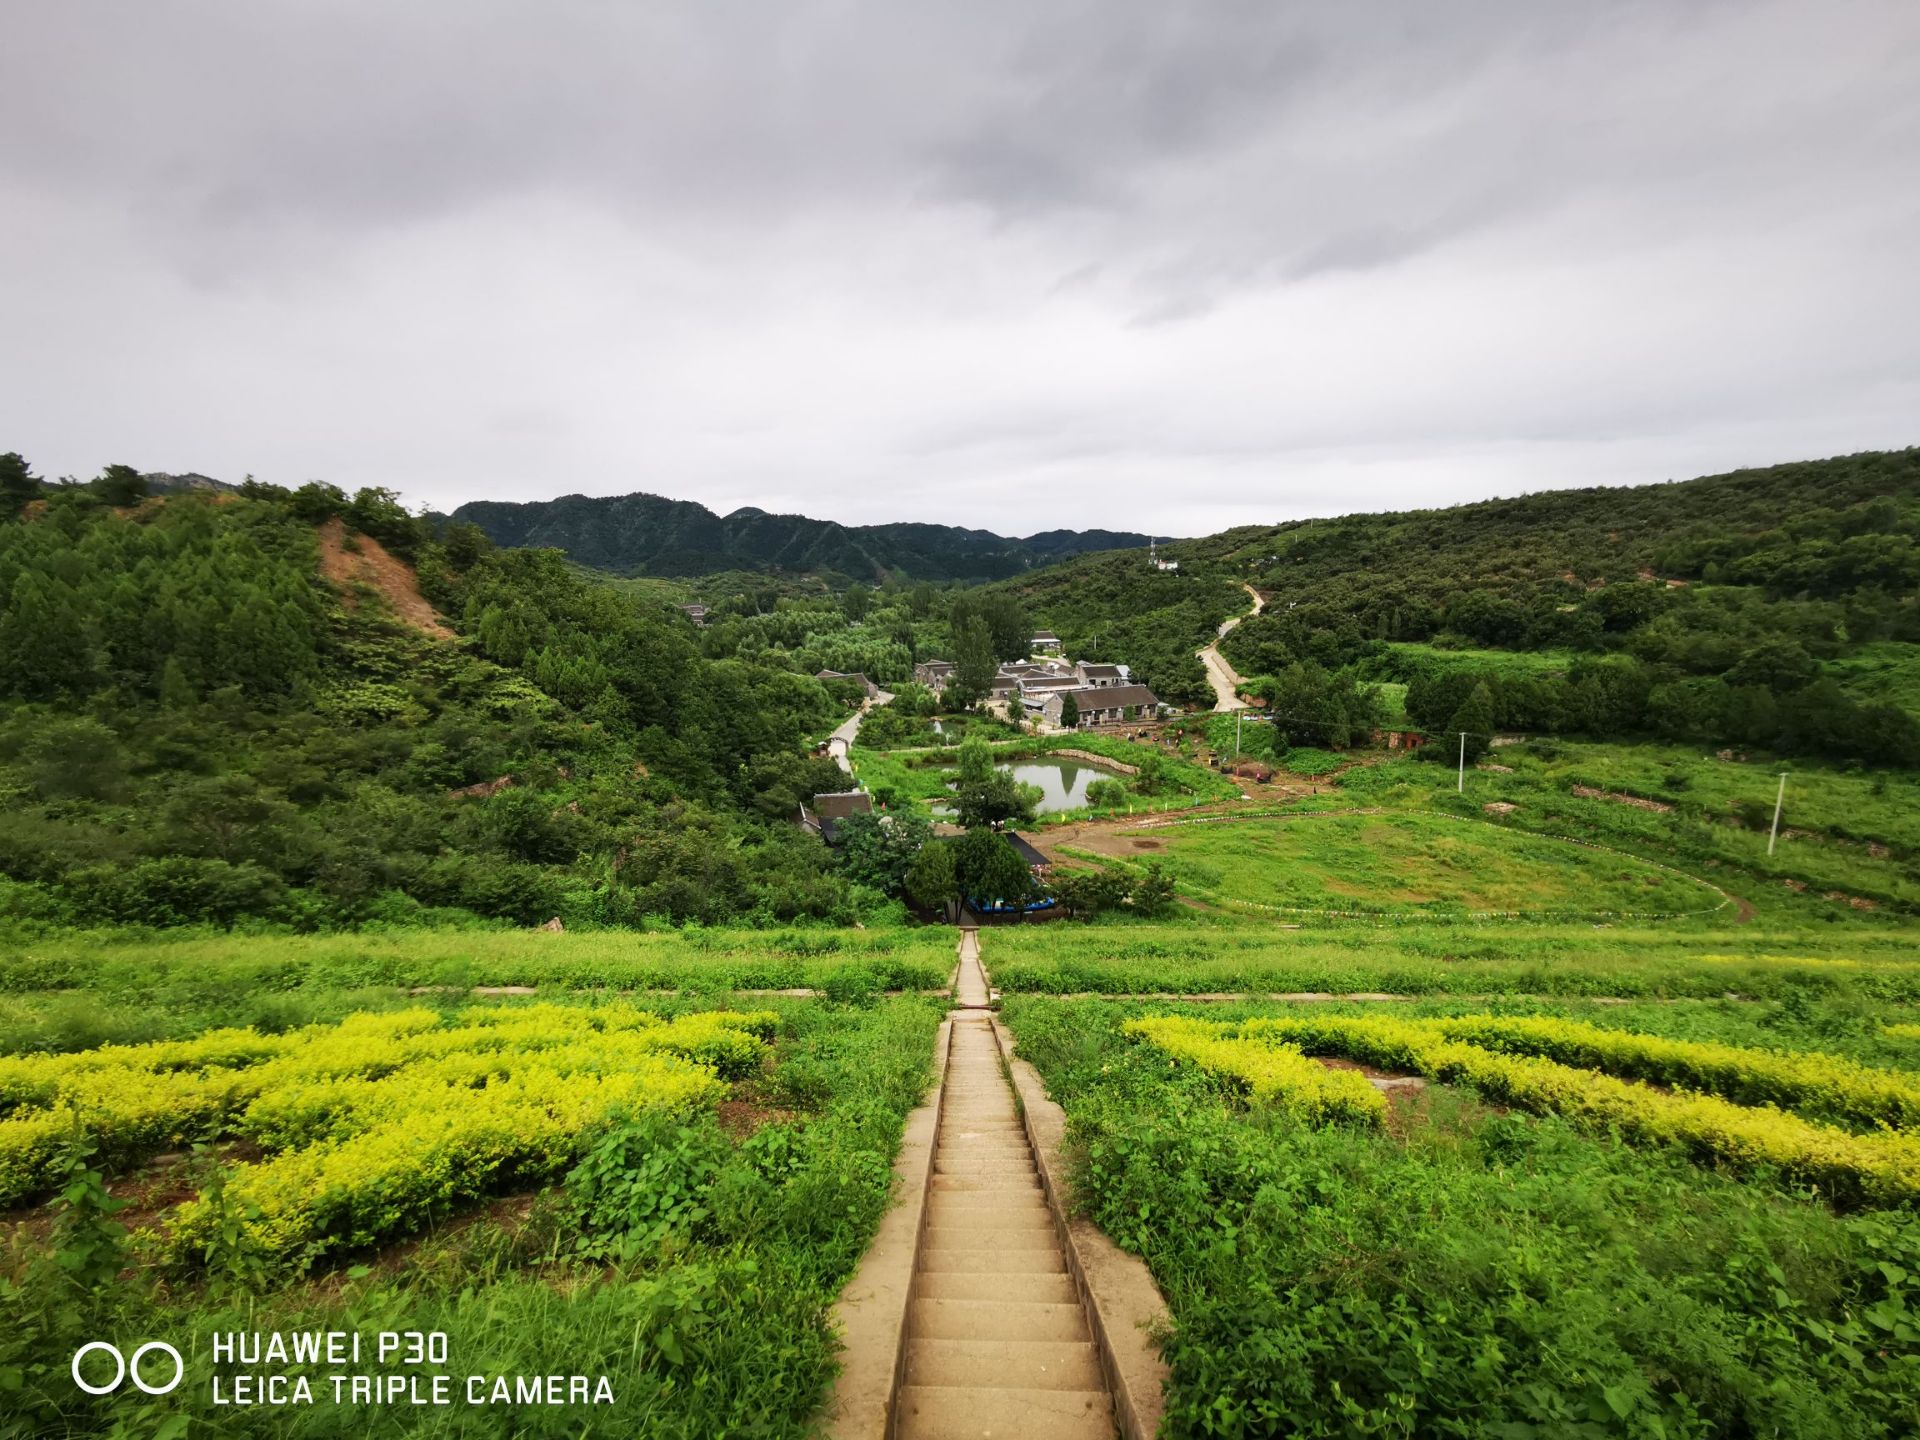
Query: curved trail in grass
(1220, 675)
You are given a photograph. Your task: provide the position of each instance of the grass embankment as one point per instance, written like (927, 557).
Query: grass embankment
(1851, 835)
(1412, 863)
(1566, 959)
(73, 992)
(690, 1256)
(1460, 1269)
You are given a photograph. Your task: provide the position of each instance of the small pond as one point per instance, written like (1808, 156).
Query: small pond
(1062, 783)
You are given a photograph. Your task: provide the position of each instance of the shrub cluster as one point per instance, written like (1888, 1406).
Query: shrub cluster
(1882, 1168)
(1279, 1076)
(328, 1084)
(1829, 1086)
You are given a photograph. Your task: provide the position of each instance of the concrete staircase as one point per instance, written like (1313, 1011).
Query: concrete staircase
(997, 1342)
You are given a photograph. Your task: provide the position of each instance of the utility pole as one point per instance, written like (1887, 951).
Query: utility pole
(1236, 733)
(1778, 801)
(1462, 787)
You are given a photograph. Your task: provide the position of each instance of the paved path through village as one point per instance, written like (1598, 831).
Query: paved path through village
(1220, 675)
(841, 740)
(997, 1341)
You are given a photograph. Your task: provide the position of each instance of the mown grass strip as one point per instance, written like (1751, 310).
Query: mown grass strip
(1882, 1168)
(1276, 1076)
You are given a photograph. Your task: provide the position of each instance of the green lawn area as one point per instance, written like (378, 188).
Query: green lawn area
(1869, 969)
(74, 991)
(1411, 863)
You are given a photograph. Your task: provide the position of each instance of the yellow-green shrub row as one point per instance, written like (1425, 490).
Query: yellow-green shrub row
(327, 1107)
(27, 1080)
(448, 1147)
(1902, 1032)
(136, 1100)
(1882, 1168)
(1826, 1085)
(1278, 1076)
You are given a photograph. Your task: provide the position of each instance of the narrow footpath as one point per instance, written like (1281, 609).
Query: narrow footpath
(982, 1312)
(998, 1344)
(1220, 675)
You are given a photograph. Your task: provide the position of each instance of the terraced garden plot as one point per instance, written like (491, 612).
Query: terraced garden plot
(671, 1199)
(1439, 1270)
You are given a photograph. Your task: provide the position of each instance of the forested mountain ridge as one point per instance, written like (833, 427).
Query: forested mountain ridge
(643, 534)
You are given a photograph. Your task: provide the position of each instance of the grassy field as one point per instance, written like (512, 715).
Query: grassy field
(1391, 864)
(1888, 671)
(77, 991)
(670, 1202)
(1453, 1261)
(1869, 967)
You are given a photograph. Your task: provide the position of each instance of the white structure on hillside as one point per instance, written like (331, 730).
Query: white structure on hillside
(1153, 558)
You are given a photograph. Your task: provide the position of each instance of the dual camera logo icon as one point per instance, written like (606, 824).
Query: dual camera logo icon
(125, 1368)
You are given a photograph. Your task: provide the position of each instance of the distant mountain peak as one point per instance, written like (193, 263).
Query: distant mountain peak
(644, 534)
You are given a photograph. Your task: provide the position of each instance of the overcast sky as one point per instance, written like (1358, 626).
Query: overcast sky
(1014, 265)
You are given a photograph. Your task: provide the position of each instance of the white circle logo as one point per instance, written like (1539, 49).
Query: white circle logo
(123, 1367)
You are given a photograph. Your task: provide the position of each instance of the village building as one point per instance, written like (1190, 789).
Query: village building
(1044, 642)
(934, 674)
(1104, 704)
(1153, 558)
(1096, 676)
(696, 613)
(830, 809)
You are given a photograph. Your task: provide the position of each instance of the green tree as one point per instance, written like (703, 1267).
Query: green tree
(18, 485)
(45, 649)
(985, 795)
(989, 869)
(120, 485)
(856, 603)
(974, 665)
(1475, 718)
(931, 881)
(1153, 892)
(1069, 711)
(878, 850)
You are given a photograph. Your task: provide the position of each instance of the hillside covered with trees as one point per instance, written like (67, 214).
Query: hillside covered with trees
(644, 534)
(195, 726)
(1774, 608)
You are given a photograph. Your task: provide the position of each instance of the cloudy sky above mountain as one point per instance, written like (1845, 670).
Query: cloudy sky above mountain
(1016, 265)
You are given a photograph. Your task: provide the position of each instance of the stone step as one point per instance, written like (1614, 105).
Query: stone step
(952, 1206)
(993, 1262)
(1005, 1364)
(1028, 1184)
(991, 1235)
(989, 1225)
(945, 1162)
(948, 1412)
(1049, 1289)
(994, 1320)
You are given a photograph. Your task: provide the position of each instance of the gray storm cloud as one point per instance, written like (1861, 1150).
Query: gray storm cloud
(1173, 267)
